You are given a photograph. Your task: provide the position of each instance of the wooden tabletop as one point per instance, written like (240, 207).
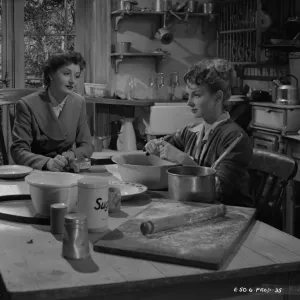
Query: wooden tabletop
(32, 267)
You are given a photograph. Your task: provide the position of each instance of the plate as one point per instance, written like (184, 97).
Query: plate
(128, 189)
(14, 171)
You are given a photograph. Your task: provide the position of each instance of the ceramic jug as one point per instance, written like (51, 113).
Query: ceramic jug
(127, 139)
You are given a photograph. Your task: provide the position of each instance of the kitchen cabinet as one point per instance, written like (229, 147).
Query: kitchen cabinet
(271, 122)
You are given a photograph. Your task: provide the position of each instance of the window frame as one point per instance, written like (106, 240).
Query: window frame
(65, 34)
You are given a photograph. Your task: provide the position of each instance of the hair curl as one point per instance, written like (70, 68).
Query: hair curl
(217, 74)
(58, 60)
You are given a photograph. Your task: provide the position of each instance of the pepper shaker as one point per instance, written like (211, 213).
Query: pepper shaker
(75, 240)
(57, 217)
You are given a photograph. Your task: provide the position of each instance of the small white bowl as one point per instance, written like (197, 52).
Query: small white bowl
(47, 188)
(96, 89)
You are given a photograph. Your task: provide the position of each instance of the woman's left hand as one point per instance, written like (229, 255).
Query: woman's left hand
(169, 152)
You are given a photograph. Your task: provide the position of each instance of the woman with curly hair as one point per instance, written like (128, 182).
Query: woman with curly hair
(208, 84)
(50, 127)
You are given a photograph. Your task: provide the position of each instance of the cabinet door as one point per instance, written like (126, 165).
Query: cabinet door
(269, 117)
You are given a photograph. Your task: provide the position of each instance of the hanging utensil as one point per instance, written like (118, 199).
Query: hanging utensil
(164, 34)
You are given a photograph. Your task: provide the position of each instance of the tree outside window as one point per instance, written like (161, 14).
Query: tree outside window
(49, 27)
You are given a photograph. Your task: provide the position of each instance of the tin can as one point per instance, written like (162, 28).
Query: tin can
(93, 202)
(163, 5)
(75, 239)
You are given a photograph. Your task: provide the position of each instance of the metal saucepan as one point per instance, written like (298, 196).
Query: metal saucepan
(164, 34)
(189, 183)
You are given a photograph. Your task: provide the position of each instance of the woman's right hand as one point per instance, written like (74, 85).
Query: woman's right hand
(57, 163)
(152, 147)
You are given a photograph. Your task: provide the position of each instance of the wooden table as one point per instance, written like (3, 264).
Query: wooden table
(31, 265)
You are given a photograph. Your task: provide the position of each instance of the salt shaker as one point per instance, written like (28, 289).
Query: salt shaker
(57, 217)
(75, 240)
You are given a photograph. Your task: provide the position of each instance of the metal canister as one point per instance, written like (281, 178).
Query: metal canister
(163, 5)
(75, 240)
(192, 6)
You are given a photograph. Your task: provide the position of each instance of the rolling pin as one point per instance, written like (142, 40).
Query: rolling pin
(188, 218)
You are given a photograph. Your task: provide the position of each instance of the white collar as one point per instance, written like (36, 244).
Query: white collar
(54, 102)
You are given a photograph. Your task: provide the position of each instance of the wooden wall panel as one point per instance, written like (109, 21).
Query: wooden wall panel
(93, 36)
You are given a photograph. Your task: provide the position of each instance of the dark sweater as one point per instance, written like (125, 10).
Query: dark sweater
(232, 171)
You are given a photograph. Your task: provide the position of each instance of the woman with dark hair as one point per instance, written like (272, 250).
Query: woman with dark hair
(50, 128)
(208, 84)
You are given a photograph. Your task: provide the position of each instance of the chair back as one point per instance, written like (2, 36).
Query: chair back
(8, 99)
(269, 174)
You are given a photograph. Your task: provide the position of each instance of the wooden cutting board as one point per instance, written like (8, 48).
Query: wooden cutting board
(205, 244)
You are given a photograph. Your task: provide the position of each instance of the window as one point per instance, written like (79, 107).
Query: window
(49, 27)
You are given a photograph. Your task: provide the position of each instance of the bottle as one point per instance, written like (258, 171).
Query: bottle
(152, 92)
(131, 89)
(161, 87)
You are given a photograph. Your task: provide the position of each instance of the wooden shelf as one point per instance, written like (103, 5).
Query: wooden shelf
(120, 14)
(114, 101)
(118, 58)
(284, 47)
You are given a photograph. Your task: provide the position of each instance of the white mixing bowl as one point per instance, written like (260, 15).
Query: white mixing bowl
(150, 171)
(47, 188)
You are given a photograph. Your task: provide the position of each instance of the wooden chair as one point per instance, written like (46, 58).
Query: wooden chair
(269, 174)
(8, 99)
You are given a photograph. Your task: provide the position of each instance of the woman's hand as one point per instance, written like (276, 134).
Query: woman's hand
(69, 155)
(57, 163)
(169, 152)
(152, 147)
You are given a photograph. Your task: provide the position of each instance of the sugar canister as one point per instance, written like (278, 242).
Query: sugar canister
(75, 240)
(93, 202)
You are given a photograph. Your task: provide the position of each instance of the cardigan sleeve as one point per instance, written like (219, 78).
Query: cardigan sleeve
(22, 139)
(84, 147)
(176, 139)
(232, 170)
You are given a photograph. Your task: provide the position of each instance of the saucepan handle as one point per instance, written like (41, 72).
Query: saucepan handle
(227, 151)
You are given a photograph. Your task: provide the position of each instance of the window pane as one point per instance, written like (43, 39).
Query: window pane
(37, 50)
(71, 16)
(71, 42)
(44, 16)
(1, 16)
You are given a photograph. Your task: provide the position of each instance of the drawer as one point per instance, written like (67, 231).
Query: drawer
(266, 145)
(269, 117)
